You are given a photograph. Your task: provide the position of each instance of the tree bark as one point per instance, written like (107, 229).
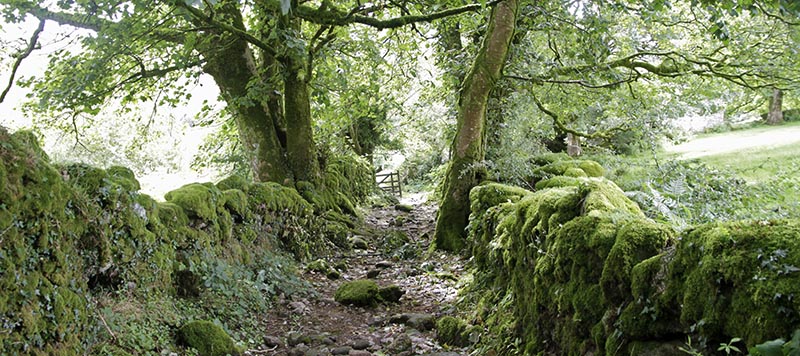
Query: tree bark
(775, 115)
(300, 147)
(573, 145)
(230, 62)
(468, 149)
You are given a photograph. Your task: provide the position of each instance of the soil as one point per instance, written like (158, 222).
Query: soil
(318, 325)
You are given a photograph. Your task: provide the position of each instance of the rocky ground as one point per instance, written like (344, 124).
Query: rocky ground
(392, 250)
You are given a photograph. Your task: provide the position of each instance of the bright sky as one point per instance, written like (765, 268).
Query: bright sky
(155, 183)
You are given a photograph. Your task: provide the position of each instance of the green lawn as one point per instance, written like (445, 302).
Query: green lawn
(760, 165)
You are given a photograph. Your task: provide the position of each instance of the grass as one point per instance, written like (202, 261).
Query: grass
(759, 165)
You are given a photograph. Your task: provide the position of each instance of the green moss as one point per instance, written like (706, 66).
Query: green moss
(197, 200)
(558, 181)
(319, 265)
(207, 338)
(452, 331)
(358, 293)
(124, 176)
(234, 182)
(275, 197)
(390, 294)
(575, 172)
(236, 202)
(740, 279)
(636, 241)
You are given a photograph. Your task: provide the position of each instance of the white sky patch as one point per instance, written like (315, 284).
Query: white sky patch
(155, 181)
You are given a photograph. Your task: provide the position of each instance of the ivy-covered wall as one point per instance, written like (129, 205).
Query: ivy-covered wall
(67, 231)
(575, 268)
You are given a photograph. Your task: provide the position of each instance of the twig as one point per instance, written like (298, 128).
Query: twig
(113, 336)
(22, 56)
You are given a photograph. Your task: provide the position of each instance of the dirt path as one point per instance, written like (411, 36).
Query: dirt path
(320, 326)
(737, 141)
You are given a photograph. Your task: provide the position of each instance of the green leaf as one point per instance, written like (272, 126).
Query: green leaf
(771, 348)
(286, 5)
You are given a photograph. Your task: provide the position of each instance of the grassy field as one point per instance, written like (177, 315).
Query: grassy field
(760, 165)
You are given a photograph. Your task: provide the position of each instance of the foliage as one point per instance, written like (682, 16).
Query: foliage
(582, 268)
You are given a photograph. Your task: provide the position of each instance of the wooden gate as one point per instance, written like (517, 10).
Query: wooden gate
(390, 182)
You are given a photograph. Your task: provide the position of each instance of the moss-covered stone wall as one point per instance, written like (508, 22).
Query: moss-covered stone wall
(575, 268)
(68, 231)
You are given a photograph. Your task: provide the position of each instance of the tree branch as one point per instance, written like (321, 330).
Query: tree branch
(336, 17)
(27, 52)
(196, 13)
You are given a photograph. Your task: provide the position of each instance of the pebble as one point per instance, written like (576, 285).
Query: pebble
(272, 341)
(359, 353)
(361, 344)
(383, 264)
(343, 350)
(373, 273)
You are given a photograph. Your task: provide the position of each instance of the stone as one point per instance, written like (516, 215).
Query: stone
(404, 208)
(299, 350)
(359, 353)
(295, 338)
(341, 350)
(358, 243)
(208, 338)
(419, 321)
(333, 274)
(358, 293)
(373, 273)
(361, 344)
(400, 344)
(383, 264)
(272, 341)
(391, 294)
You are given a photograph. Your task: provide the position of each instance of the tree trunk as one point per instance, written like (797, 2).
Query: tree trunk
(300, 147)
(231, 63)
(573, 145)
(468, 148)
(775, 115)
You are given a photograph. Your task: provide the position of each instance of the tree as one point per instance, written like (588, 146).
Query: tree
(468, 148)
(601, 69)
(260, 55)
(775, 114)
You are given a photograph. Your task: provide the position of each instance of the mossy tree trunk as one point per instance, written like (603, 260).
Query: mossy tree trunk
(469, 147)
(300, 148)
(775, 115)
(231, 63)
(274, 125)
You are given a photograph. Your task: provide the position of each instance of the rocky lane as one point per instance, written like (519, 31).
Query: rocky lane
(391, 250)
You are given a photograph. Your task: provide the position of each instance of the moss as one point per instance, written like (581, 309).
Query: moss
(636, 241)
(319, 265)
(452, 331)
(602, 195)
(271, 196)
(390, 294)
(197, 200)
(124, 176)
(234, 182)
(575, 172)
(358, 293)
(236, 203)
(404, 208)
(558, 181)
(207, 338)
(740, 279)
